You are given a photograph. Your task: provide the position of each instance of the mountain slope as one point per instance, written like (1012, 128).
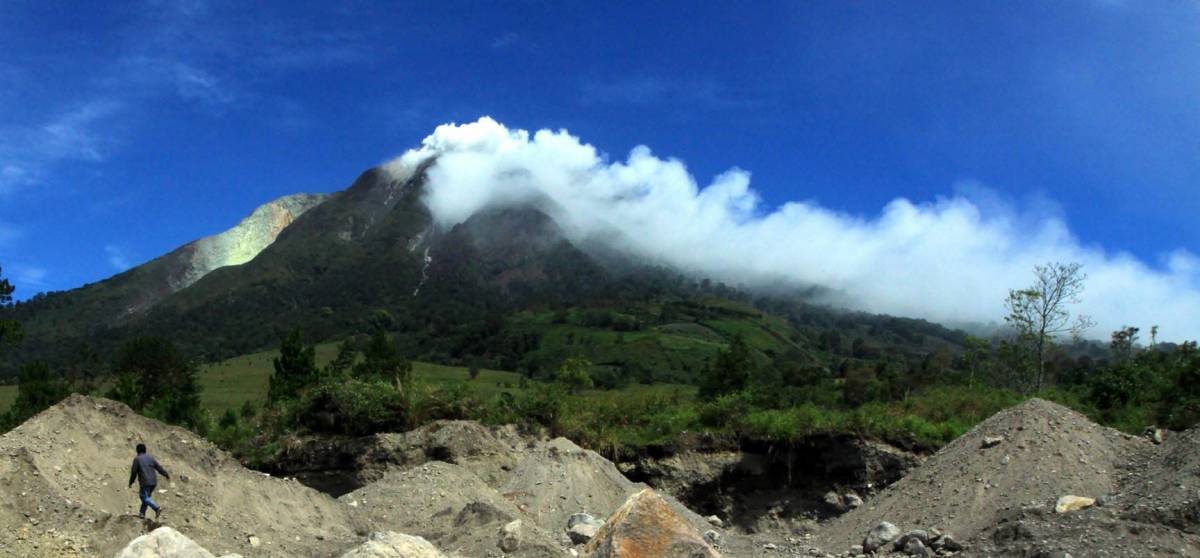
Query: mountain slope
(91, 310)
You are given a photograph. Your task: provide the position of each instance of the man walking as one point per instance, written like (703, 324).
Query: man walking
(144, 467)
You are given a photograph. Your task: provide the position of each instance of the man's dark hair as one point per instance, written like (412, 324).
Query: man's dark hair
(141, 448)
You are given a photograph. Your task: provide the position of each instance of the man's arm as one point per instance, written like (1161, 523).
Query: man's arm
(161, 471)
(133, 471)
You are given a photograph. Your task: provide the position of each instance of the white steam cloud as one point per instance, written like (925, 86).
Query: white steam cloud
(951, 260)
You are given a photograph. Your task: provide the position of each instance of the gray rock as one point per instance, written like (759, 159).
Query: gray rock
(391, 545)
(582, 527)
(990, 441)
(712, 537)
(577, 518)
(947, 543)
(834, 501)
(714, 521)
(914, 547)
(852, 500)
(920, 535)
(879, 536)
(510, 536)
(163, 542)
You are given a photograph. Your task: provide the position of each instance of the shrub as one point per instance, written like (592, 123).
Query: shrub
(575, 374)
(353, 407)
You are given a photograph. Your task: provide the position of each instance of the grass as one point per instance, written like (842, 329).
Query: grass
(231, 383)
(8, 394)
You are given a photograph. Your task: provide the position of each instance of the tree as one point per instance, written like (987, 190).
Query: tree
(39, 388)
(347, 355)
(85, 367)
(1039, 313)
(977, 354)
(1123, 343)
(153, 376)
(730, 371)
(295, 368)
(10, 330)
(382, 361)
(575, 374)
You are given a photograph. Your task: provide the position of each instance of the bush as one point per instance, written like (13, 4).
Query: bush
(575, 374)
(452, 402)
(353, 407)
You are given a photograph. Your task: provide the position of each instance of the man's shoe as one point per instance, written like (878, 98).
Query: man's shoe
(158, 512)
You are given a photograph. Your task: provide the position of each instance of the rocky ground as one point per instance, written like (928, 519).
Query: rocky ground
(461, 489)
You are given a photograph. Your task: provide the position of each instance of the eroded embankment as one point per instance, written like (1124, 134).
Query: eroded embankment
(756, 486)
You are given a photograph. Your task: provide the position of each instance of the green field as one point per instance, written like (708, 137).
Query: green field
(231, 383)
(7, 395)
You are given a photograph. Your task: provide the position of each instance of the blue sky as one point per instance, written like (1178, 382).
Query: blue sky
(128, 129)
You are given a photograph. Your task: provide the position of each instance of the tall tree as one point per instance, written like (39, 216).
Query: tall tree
(295, 368)
(1040, 313)
(39, 388)
(154, 376)
(382, 361)
(730, 371)
(1124, 342)
(10, 330)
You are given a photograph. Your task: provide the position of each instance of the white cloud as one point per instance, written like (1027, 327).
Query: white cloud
(28, 152)
(28, 279)
(117, 257)
(8, 233)
(949, 260)
(506, 40)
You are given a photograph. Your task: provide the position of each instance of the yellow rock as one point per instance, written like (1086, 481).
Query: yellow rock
(1073, 503)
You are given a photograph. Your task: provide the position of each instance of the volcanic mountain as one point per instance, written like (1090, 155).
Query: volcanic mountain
(373, 255)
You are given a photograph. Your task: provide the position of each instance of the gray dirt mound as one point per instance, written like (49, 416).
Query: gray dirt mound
(452, 508)
(558, 478)
(63, 475)
(489, 452)
(1096, 531)
(1165, 488)
(1047, 451)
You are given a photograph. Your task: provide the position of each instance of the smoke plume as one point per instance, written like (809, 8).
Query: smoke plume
(951, 260)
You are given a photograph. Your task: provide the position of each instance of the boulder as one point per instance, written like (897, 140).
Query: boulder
(990, 441)
(920, 535)
(914, 547)
(394, 545)
(164, 542)
(510, 536)
(853, 501)
(833, 501)
(947, 543)
(646, 526)
(582, 527)
(880, 535)
(1073, 503)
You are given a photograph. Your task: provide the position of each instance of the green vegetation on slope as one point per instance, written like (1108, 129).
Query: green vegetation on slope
(8, 394)
(230, 384)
